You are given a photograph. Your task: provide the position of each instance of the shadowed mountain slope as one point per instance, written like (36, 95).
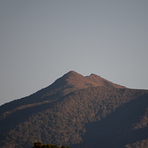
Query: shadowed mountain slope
(77, 111)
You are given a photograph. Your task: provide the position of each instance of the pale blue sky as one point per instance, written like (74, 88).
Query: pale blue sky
(40, 40)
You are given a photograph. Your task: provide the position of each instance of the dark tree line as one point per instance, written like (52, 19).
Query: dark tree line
(40, 145)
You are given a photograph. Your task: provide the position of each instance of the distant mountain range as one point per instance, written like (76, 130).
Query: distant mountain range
(79, 112)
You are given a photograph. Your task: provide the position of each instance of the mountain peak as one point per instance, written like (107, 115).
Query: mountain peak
(72, 74)
(78, 81)
(75, 79)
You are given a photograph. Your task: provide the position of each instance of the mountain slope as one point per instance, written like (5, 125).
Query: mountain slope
(77, 111)
(102, 82)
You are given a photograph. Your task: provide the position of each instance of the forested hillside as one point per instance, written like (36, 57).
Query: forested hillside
(79, 112)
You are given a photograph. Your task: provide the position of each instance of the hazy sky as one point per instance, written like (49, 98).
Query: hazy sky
(40, 40)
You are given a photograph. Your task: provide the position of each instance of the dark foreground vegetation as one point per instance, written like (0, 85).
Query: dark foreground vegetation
(40, 145)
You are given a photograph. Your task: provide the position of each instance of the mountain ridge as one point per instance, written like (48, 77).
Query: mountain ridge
(74, 79)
